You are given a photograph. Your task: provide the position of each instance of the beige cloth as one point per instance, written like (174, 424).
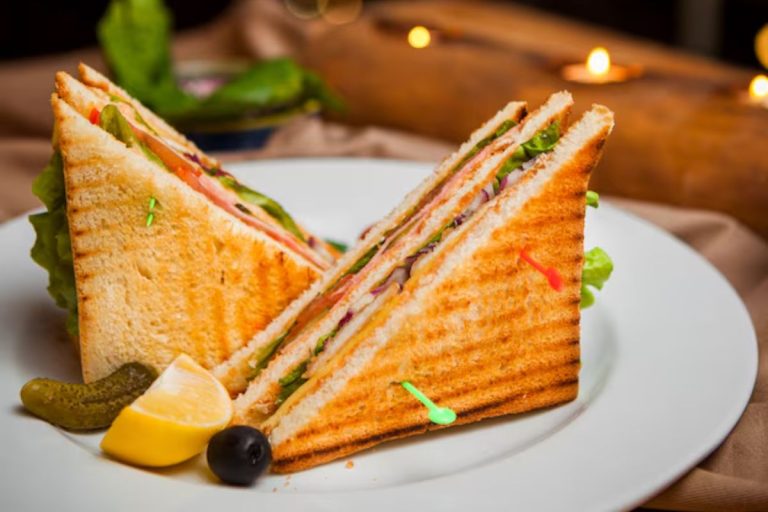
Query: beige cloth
(734, 477)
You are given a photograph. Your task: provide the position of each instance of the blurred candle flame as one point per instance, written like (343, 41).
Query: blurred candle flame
(419, 37)
(599, 61)
(758, 88)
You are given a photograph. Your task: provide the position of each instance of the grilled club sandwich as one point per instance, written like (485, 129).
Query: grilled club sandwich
(150, 245)
(469, 290)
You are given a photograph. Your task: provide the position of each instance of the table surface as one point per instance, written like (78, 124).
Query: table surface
(683, 134)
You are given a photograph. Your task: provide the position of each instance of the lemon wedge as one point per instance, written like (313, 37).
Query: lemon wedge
(173, 420)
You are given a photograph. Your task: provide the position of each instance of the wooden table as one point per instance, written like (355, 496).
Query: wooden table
(682, 137)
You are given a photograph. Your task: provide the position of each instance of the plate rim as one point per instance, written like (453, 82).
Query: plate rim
(672, 473)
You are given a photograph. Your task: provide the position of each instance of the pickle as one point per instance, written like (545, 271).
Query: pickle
(87, 406)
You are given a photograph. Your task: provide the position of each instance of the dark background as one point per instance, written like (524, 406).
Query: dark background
(721, 29)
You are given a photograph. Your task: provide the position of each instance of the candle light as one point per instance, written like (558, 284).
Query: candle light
(419, 37)
(758, 90)
(599, 62)
(756, 95)
(598, 69)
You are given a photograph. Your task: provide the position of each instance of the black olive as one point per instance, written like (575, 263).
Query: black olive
(239, 454)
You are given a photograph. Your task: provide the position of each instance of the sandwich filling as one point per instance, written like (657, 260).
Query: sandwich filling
(213, 182)
(522, 159)
(325, 301)
(52, 249)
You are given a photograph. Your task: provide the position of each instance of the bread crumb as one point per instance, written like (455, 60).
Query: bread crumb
(350, 464)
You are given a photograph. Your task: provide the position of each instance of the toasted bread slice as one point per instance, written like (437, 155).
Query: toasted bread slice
(96, 80)
(234, 372)
(87, 99)
(477, 328)
(197, 281)
(262, 395)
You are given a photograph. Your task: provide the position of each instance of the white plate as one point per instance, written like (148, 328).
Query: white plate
(669, 361)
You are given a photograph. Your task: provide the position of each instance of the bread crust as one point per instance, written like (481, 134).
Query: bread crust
(476, 328)
(197, 281)
(259, 399)
(96, 80)
(233, 372)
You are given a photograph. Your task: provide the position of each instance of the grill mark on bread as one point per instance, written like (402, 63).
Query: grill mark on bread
(466, 351)
(285, 280)
(219, 328)
(480, 409)
(96, 204)
(417, 428)
(446, 397)
(82, 184)
(478, 401)
(107, 207)
(425, 193)
(497, 332)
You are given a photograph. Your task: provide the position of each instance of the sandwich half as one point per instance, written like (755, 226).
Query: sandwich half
(254, 366)
(159, 251)
(476, 303)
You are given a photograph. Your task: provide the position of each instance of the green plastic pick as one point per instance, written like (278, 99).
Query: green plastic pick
(151, 214)
(439, 415)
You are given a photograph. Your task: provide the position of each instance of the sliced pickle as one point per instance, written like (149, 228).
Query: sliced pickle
(87, 406)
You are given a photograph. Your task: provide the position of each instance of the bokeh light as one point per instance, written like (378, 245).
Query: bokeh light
(419, 37)
(758, 88)
(599, 61)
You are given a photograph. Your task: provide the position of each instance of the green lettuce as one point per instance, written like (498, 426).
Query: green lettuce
(262, 359)
(113, 122)
(320, 345)
(540, 143)
(292, 382)
(269, 205)
(363, 261)
(339, 246)
(500, 130)
(596, 271)
(135, 36)
(52, 249)
(593, 199)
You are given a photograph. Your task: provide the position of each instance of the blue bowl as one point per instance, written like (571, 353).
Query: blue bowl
(201, 78)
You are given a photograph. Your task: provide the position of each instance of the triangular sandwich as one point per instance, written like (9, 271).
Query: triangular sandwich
(486, 323)
(472, 296)
(168, 253)
(325, 301)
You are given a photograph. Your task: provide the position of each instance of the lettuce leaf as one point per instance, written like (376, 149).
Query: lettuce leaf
(268, 86)
(292, 381)
(135, 36)
(500, 130)
(339, 246)
(269, 205)
(52, 249)
(363, 261)
(260, 361)
(593, 199)
(113, 122)
(596, 271)
(542, 142)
